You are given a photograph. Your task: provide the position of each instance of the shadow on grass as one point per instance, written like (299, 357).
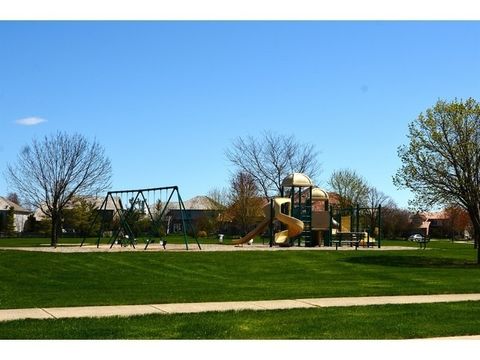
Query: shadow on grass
(413, 261)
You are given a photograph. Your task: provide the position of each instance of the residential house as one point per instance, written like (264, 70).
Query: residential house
(197, 210)
(20, 214)
(106, 212)
(431, 223)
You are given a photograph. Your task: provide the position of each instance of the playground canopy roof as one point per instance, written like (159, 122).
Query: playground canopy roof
(297, 180)
(319, 194)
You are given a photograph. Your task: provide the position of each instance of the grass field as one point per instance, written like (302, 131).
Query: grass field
(35, 279)
(366, 322)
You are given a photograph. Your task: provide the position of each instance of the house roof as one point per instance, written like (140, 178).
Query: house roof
(197, 203)
(333, 198)
(437, 215)
(6, 204)
(96, 201)
(433, 215)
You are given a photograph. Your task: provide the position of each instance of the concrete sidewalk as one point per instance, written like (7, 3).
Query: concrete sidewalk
(131, 310)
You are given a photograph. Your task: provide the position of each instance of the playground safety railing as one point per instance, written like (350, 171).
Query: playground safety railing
(351, 238)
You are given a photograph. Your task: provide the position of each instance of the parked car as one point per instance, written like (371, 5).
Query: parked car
(415, 237)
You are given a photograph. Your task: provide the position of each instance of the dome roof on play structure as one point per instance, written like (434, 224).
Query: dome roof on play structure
(319, 194)
(297, 179)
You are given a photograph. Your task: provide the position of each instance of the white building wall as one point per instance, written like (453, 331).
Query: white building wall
(19, 221)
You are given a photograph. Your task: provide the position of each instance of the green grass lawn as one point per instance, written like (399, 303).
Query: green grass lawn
(34, 279)
(365, 322)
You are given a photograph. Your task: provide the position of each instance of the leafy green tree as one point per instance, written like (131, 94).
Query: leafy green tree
(31, 225)
(351, 187)
(10, 221)
(441, 163)
(44, 226)
(80, 216)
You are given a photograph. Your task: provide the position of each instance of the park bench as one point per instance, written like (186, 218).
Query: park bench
(422, 243)
(351, 238)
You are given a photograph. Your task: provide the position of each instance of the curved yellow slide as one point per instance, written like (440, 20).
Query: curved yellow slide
(295, 226)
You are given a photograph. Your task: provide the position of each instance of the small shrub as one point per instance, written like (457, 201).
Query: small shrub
(202, 234)
(161, 232)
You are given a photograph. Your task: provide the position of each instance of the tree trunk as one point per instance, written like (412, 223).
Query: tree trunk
(476, 237)
(474, 213)
(55, 226)
(477, 242)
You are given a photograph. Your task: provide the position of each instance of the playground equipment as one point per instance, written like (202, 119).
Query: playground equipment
(305, 215)
(357, 224)
(293, 210)
(273, 211)
(124, 214)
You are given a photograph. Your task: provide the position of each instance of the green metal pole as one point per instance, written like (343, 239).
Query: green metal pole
(310, 211)
(300, 211)
(124, 223)
(166, 204)
(93, 222)
(116, 232)
(271, 222)
(182, 207)
(379, 225)
(357, 219)
(127, 225)
(351, 219)
(330, 229)
(152, 220)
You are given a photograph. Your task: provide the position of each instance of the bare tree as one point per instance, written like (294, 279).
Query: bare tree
(219, 198)
(52, 170)
(245, 201)
(13, 197)
(351, 187)
(271, 157)
(375, 199)
(441, 163)
(395, 221)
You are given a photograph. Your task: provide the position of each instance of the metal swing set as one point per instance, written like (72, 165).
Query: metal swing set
(122, 211)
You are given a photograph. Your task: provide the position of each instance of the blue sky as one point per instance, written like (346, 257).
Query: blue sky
(167, 98)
